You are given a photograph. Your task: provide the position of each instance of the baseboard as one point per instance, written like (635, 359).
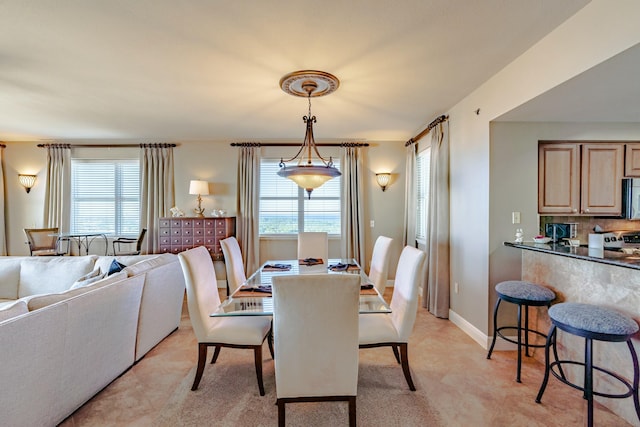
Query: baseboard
(478, 336)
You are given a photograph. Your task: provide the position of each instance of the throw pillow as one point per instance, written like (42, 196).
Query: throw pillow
(115, 267)
(13, 310)
(88, 278)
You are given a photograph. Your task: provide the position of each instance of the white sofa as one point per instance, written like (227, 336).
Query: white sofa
(61, 346)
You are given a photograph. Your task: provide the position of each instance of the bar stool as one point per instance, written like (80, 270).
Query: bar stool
(592, 323)
(524, 294)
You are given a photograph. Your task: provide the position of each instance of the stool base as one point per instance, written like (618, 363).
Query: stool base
(587, 387)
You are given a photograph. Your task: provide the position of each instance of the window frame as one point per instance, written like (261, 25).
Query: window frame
(300, 198)
(119, 200)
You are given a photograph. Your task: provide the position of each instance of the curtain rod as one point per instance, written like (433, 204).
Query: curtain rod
(108, 145)
(295, 144)
(433, 124)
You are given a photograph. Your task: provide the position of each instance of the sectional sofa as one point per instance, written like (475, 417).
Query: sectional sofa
(67, 329)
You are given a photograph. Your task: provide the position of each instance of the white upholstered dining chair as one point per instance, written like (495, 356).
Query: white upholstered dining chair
(394, 329)
(203, 299)
(233, 263)
(313, 244)
(378, 272)
(315, 327)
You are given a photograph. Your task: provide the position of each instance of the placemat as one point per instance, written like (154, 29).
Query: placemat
(310, 261)
(341, 267)
(277, 267)
(371, 291)
(247, 291)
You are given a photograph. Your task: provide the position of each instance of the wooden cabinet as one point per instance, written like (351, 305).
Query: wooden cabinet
(180, 234)
(558, 178)
(632, 160)
(580, 178)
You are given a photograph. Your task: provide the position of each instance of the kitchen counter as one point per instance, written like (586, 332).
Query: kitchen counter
(578, 274)
(619, 259)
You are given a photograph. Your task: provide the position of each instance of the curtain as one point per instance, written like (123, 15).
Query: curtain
(248, 206)
(58, 186)
(157, 190)
(409, 227)
(436, 283)
(352, 242)
(3, 225)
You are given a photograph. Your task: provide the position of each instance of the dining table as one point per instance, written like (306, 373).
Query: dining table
(254, 297)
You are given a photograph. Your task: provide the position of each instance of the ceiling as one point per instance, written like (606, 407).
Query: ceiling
(209, 70)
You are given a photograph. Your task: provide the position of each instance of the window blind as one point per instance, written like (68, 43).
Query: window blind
(105, 196)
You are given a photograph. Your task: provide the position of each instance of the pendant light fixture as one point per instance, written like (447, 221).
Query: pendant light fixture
(306, 174)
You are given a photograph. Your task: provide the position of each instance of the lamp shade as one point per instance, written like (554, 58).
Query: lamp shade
(383, 180)
(198, 187)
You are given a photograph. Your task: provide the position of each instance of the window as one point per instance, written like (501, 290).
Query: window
(422, 190)
(286, 209)
(105, 196)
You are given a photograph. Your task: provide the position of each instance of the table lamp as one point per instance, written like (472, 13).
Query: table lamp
(199, 188)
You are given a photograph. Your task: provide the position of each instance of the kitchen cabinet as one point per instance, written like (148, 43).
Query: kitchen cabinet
(580, 178)
(632, 160)
(182, 233)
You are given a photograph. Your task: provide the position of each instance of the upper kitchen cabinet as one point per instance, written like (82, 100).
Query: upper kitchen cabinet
(632, 160)
(580, 178)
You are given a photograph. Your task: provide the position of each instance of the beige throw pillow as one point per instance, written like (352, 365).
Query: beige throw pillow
(88, 279)
(13, 310)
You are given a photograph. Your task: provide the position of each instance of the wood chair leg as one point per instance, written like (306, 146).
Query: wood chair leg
(202, 360)
(216, 353)
(405, 365)
(395, 353)
(257, 355)
(352, 411)
(270, 342)
(281, 416)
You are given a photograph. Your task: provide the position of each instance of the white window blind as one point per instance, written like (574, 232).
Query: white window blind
(105, 196)
(286, 209)
(423, 166)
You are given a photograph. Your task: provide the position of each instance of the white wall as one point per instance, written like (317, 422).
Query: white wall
(572, 48)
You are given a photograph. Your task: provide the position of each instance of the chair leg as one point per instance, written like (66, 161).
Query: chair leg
(395, 353)
(352, 411)
(257, 355)
(216, 353)
(202, 359)
(281, 416)
(547, 362)
(405, 365)
(270, 342)
(495, 328)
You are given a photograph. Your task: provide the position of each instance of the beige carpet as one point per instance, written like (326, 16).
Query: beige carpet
(228, 396)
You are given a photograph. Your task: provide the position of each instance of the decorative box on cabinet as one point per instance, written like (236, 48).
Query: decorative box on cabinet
(180, 234)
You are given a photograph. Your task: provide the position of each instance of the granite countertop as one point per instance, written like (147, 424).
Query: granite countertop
(619, 259)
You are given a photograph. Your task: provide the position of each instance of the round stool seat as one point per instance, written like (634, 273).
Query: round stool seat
(591, 321)
(518, 291)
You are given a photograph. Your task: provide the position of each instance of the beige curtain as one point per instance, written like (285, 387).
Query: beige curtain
(3, 225)
(247, 230)
(436, 283)
(410, 197)
(157, 190)
(352, 243)
(58, 186)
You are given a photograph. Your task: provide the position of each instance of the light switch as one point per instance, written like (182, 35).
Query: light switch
(515, 217)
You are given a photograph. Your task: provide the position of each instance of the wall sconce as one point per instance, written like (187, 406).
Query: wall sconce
(27, 181)
(199, 188)
(383, 180)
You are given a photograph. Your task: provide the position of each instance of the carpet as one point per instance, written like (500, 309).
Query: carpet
(228, 396)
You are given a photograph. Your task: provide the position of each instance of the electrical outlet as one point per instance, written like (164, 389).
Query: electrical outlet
(455, 287)
(372, 223)
(515, 217)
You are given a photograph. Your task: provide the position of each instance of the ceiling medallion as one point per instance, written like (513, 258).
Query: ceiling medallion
(309, 83)
(297, 83)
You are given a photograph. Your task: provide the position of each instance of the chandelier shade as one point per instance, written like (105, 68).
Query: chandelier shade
(306, 174)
